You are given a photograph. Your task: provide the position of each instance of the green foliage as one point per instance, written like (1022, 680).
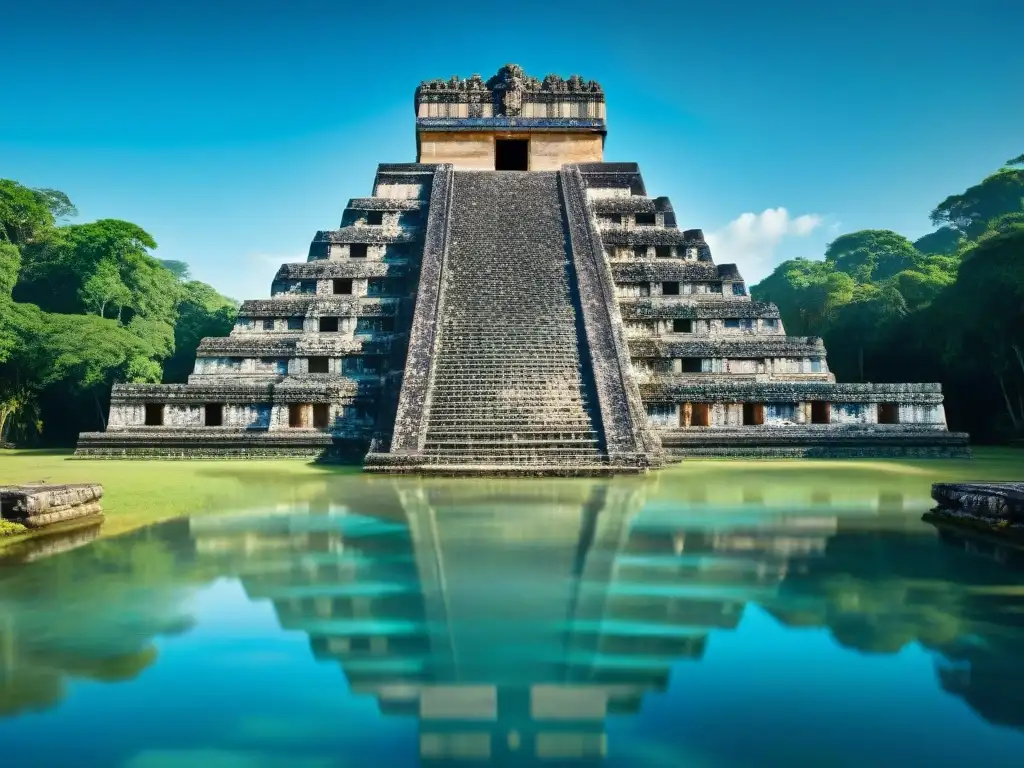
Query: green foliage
(972, 210)
(177, 268)
(872, 254)
(83, 306)
(28, 214)
(948, 308)
(202, 312)
(945, 241)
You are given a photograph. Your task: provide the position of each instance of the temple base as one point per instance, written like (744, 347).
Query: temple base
(195, 444)
(826, 442)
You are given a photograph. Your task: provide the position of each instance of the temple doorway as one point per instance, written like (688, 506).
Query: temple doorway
(511, 154)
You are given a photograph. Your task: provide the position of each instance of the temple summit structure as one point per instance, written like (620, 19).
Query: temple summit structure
(512, 303)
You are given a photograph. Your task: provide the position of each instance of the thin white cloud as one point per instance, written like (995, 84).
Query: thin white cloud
(751, 239)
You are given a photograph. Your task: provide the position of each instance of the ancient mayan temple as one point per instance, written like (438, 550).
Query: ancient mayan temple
(511, 302)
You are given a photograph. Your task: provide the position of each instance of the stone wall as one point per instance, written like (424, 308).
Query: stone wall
(474, 151)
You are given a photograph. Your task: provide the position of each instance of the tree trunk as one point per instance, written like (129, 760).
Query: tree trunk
(1009, 406)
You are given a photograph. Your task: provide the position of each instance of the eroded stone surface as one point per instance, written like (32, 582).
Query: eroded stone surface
(543, 321)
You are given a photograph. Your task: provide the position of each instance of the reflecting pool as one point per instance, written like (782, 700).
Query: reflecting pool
(620, 622)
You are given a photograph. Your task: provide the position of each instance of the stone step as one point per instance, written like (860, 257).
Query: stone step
(507, 385)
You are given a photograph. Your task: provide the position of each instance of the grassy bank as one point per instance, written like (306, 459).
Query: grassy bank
(141, 492)
(138, 493)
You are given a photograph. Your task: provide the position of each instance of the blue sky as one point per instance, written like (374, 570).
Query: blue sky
(233, 131)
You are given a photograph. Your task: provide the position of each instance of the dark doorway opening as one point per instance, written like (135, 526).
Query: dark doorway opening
(154, 415)
(821, 412)
(297, 415)
(511, 154)
(753, 414)
(888, 413)
(214, 415)
(321, 414)
(700, 415)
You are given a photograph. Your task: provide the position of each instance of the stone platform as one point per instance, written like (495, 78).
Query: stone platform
(817, 441)
(1004, 501)
(38, 506)
(991, 508)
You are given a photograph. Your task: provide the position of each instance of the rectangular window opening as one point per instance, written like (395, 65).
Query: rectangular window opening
(375, 218)
(690, 364)
(670, 289)
(738, 289)
(154, 415)
(682, 326)
(511, 154)
(888, 413)
(296, 415)
(321, 415)
(663, 251)
(357, 251)
(295, 323)
(214, 416)
(318, 365)
(268, 324)
(640, 252)
(328, 325)
(821, 412)
(342, 285)
(732, 322)
(753, 414)
(646, 220)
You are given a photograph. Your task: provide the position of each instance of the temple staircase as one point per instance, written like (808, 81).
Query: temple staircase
(509, 384)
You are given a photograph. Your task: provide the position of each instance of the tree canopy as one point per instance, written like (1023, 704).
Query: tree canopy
(83, 306)
(945, 308)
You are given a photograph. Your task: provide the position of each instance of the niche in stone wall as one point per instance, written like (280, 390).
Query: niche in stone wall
(321, 413)
(298, 415)
(213, 415)
(888, 413)
(701, 415)
(821, 412)
(753, 414)
(154, 415)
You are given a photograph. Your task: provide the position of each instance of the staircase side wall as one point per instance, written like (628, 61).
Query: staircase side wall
(413, 404)
(622, 411)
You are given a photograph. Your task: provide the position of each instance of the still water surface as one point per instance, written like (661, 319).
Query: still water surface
(740, 623)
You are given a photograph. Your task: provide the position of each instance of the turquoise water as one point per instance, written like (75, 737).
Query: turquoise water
(521, 623)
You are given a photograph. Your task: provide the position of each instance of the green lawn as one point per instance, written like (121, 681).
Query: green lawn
(140, 492)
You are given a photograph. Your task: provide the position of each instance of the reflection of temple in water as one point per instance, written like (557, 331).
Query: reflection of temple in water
(511, 619)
